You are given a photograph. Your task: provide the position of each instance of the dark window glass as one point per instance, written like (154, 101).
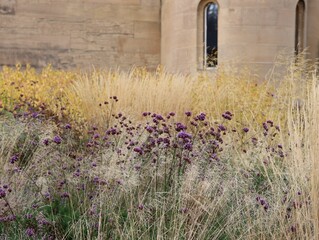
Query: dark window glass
(300, 26)
(211, 34)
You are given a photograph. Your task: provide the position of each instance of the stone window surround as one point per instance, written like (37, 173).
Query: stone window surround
(300, 27)
(201, 61)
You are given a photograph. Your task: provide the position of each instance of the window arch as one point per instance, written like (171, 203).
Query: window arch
(300, 27)
(207, 34)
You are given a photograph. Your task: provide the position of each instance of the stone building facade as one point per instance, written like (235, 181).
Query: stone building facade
(174, 33)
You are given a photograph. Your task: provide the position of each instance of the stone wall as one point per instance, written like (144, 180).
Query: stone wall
(74, 33)
(124, 33)
(250, 32)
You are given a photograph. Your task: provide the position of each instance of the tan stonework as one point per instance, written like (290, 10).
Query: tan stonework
(126, 33)
(250, 32)
(73, 33)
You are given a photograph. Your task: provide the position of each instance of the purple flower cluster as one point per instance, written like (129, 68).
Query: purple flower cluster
(57, 139)
(184, 135)
(14, 158)
(2, 193)
(9, 218)
(227, 115)
(200, 117)
(263, 203)
(30, 232)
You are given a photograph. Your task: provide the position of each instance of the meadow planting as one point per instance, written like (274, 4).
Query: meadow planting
(107, 154)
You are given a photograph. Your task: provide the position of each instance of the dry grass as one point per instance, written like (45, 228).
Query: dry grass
(159, 200)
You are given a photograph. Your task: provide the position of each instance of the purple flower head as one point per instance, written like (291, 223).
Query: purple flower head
(96, 180)
(270, 122)
(138, 150)
(266, 207)
(265, 126)
(159, 117)
(188, 146)
(30, 232)
(145, 114)
(57, 139)
(35, 115)
(67, 126)
(2, 193)
(14, 158)
(201, 117)
(65, 195)
(47, 196)
(246, 130)
(227, 115)
(43, 221)
(172, 114)
(180, 127)
(28, 216)
(166, 141)
(11, 218)
(46, 142)
(222, 128)
(96, 135)
(184, 135)
(188, 113)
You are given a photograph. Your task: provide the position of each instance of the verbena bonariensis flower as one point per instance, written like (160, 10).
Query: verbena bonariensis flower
(271, 123)
(28, 216)
(188, 146)
(138, 150)
(265, 126)
(201, 117)
(180, 127)
(222, 128)
(57, 139)
(188, 113)
(65, 195)
(46, 142)
(246, 130)
(159, 117)
(14, 158)
(2, 193)
(30, 232)
(227, 115)
(184, 135)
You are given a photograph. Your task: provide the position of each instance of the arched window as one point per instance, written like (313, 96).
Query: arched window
(300, 26)
(211, 34)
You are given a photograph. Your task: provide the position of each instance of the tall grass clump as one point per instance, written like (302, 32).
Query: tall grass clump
(90, 99)
(163, 157)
